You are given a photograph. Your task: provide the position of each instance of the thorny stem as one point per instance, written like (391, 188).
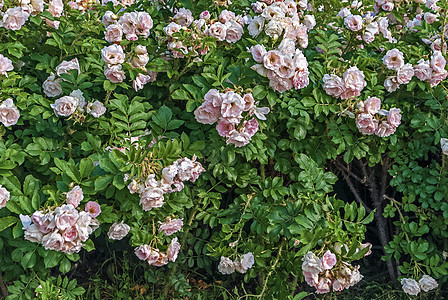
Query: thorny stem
(395, 203)
(249, 197)
(442, 39)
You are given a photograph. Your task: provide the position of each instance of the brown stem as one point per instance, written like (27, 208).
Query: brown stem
(3, 287)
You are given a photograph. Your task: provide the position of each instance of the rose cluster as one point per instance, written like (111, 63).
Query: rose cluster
(65, 228)
(432, 71)
(227, 266)
(323, 274)
(123, 3)
(234, 114)
(131, 25)
(68, 105)
(4, 196)
(412, 287)
(170, 226)
(228, 27)
(81, 5)
(350, 85)
(151, 190)
(368, 123)
(155, 257)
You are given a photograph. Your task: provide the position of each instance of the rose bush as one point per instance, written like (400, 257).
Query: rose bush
(208, 138)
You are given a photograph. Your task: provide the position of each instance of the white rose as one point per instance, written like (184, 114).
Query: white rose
(427, 283)
(118, 231)
(52, 86)
(444, 144)
(256, 26)
(4, 196)
(79, 97)
(65, 106)
(274, 29)
(9, 114)
(96, 109)
(226, 266)
(410, 286)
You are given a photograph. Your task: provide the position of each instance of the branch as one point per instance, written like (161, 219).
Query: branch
(3, 287)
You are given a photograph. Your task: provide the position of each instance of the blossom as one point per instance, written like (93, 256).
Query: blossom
(372, 105)
(430, 17)
(65, 216)
(93, 208)
(56, 7)
(4, 196)
(5, 65)
(246, 262)
(113, 54)
(128, 22)
(114, 33)
(53, 241)
(311, 263)
(423, 70)
(234, 31)
(79, 97)
(118, 231)
(109, 18)
(14, 18)
(309, 21)
(274, 29)
(173, 249)
(301, 79)
(224, 127)
(96, 109)
(353, 22)
(140, 81)
(218, 30)
(394, 117)
(427, 283)
(444, 145)
(65, 106)
(410, 286)
(115, 74)
(184, 17)
(280, 84)
(333, 85)
(323, 286)
(354, 81)
(366, 124)
(9, 114)
(385, 129)
(75, 196)
(171, 226)
(438, 62)
(273, 60)
(66, 66)
(393, 59)
(238, 138)
(52, 86)
(255, 26)
(391, 84)
(311, 278)
(287, 68)
(328, 260)
(226, 266)
(143, 252)
(172, 28)
(232, 105)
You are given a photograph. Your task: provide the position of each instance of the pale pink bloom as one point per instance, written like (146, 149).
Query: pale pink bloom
(274, 29)
(328, 260)
(239, 139)
(144, 23)
(114, 33)
(143, 252)
(152, 197)
(437, 77)
(311, 278)
(172, 28)
(207, 113)
(96, 109)
(52, 86)
(161, 261)
(247, 261)
(75, 196)
(372, 28)
(113, 54)
(251, 127)
(323, 286)
(5, 65)
(226, 266)
(311, 263)
(427, 283)
(391, 84)
(9, 114)
(273, 60)
(273, 12)
(333, 85)
(258, 7)
(383, 24)
(14, 18)
(287, 68)
(56, 7)
(53, 241)
(173, 249)
(118, 231)
(309, 21)
(410, 286)
(372, 105)
(437, 45)
(388, 6)
(66, 66)
(260, 69)
(258, 52)
(423, 70)
(366, 124)
(385, 129)
(234, 32)
(128, 22)
(353, 22)
(224, 127)
(232, 105)
(354, 81)
(171, 226)
(301, 79)
(394, 117)
(249, 102)
(338, 286)
(65, 216)
(205, 15)
(140, 81)
(4, 196)
(109, 18)
(430, 17)
(44, 223)
(344, 12)
(93, 208)
(280, 84)
(394, 59)
(65, 106)
(226, 16)
(368, 37)
(184, 17)
(405, 74)
(287, 47)
(70, 234)
(218, 30)
(115, 74)
(33, 234)
(255, 26)
(438, 62)
(140, 60)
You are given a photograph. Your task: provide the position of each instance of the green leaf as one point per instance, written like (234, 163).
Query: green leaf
(7, 222)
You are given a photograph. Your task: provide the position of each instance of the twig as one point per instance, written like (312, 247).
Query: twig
(3, 287)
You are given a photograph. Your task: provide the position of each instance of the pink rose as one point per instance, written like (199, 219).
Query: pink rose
(423, 70)
(207, 113)
(391, 84)
(218, 30)
(53, 241)
(9, 114)
(405, 74)
(385, 130)
(224, 127)
(437, 77)
(205, 15)
(114, 33)
(393, 59)
(226, 16)
(366, 124)
(287, 68)
(5, 65)
(353, 22)
(4, 196)
(333, 85)
(93, 208)
(328, 260)
(287, 46)
(388, 6)
(65, 106)
(301, 79)
(232, 105)
(368, 37)
(354, 81)
(14, 18)
(251, 127)
(143, 252)
(65, 216)
(249, 102)
(273, 60)
(96, 109)
(44, 223)
(394, 117)
(372, 105)
(140, 81)
(118, 231)
(239, 139)
(128, 22)
(173, 249)
(56, 7)
(115, 74)
(152, 197)
(66, 66)
(70, 234)
(258, 52)
(113, 54)
(52, 86)
(438, 62)
(172, 28)
(311, 278)
(144, 23)
(171, 226)
(109, 18)
(184, 17)
(234, 32)
(75, 196)
(323, 286)
(280, 84)
(430, 18)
